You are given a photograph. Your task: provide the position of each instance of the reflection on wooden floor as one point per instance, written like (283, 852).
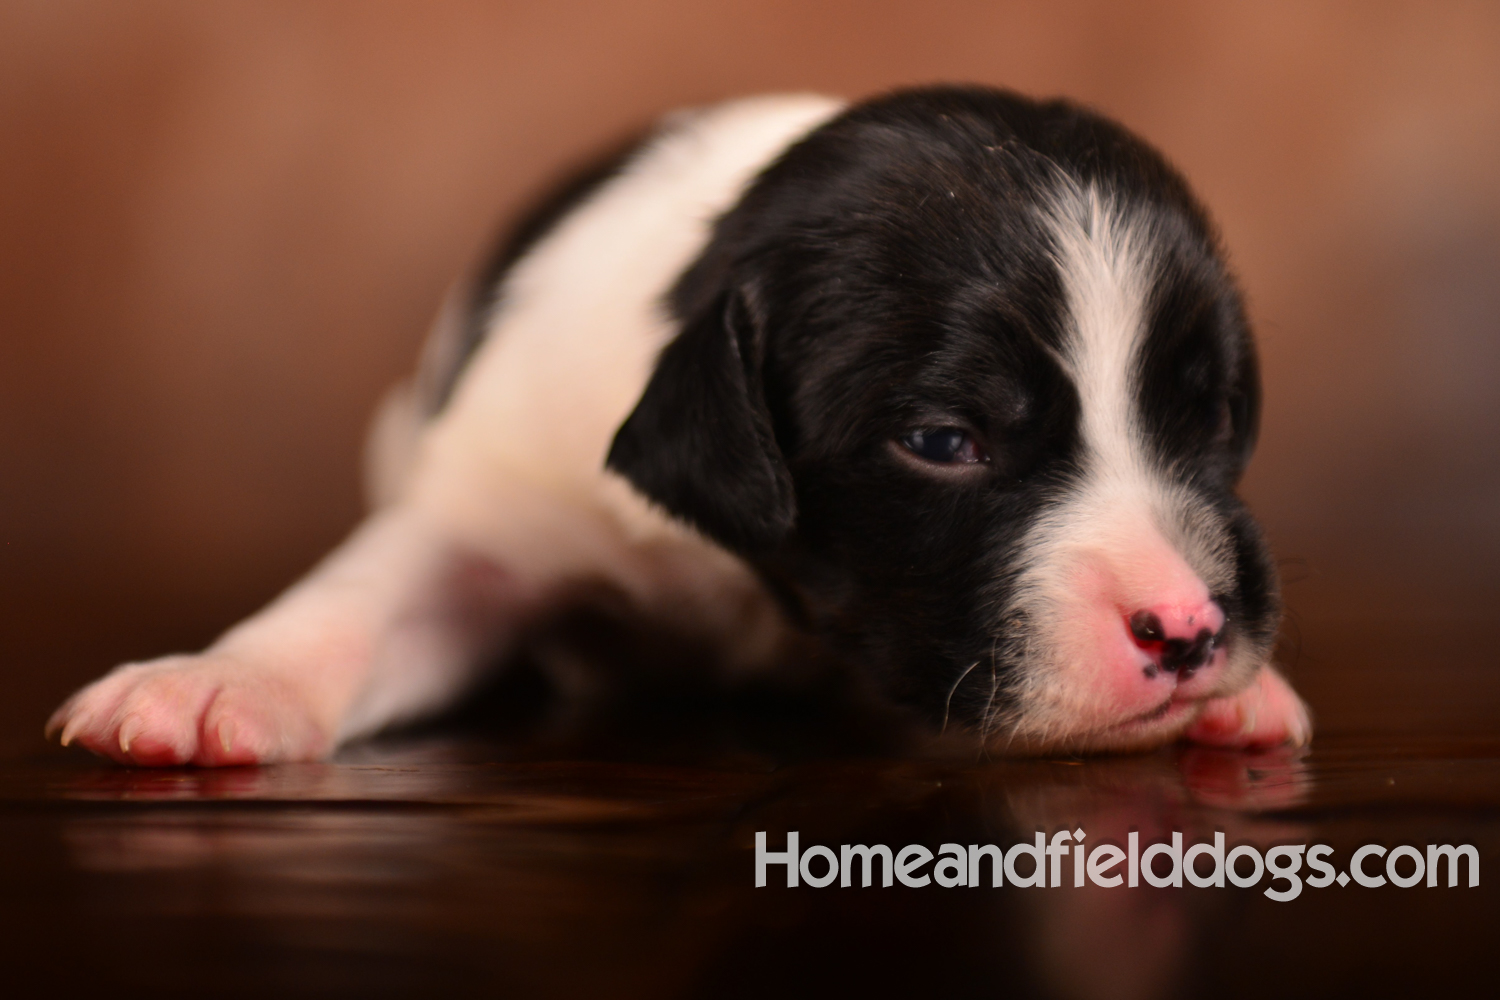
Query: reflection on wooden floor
(614, 857)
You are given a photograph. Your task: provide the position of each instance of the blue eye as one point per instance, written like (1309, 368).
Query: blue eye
(944, 445)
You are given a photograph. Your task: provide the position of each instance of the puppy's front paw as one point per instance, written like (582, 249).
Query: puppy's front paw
(1267, 713)
(208, 710)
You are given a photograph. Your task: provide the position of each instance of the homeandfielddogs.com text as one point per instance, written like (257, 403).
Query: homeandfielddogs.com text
(1066, 859)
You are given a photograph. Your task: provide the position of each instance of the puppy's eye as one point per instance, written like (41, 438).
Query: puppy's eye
(944, 445)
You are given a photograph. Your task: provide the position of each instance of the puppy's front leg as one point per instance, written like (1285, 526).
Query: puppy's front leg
(390, 625)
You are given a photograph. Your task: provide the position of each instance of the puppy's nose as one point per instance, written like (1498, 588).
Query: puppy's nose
(1177, 639)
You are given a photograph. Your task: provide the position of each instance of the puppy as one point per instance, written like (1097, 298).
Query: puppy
(956, 382)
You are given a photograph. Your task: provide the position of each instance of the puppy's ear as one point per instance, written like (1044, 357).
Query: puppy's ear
(701, 443)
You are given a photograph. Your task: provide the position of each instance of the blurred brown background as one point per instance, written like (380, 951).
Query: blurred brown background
(224, 226)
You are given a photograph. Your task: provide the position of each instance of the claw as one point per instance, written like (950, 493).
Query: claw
(129, 729)
(1299, 732)
(1249, 715)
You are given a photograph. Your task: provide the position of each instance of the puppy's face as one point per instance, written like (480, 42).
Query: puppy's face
(965, 377)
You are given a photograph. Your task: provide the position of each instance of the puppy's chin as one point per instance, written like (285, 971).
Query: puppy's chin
(1147, 731)
(1160, 728)
(1270, 718)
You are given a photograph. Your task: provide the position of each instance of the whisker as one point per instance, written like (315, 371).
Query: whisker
(987, 718)
(949, 702)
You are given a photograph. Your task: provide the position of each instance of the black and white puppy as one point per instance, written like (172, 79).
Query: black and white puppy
(953, 380)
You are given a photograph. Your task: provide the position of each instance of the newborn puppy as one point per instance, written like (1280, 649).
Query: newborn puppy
(954, 381)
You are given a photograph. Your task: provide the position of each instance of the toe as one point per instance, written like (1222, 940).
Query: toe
(147, 746)
(258, 725)
(1266, 714)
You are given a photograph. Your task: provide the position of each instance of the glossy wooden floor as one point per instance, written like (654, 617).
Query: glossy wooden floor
(526, 853)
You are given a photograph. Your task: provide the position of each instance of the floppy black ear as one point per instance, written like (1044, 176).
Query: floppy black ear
(700, 442)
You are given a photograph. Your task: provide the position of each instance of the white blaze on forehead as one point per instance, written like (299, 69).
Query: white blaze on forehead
(1103, 260)
(1105, 254)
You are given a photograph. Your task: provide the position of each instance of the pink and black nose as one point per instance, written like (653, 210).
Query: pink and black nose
(1177, 640)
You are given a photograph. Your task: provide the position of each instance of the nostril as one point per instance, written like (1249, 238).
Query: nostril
(1146, 627)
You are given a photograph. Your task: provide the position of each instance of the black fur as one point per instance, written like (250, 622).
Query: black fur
(702, 441)
(888, 272)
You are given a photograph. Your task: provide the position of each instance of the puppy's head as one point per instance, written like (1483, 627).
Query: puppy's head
(965, 377)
